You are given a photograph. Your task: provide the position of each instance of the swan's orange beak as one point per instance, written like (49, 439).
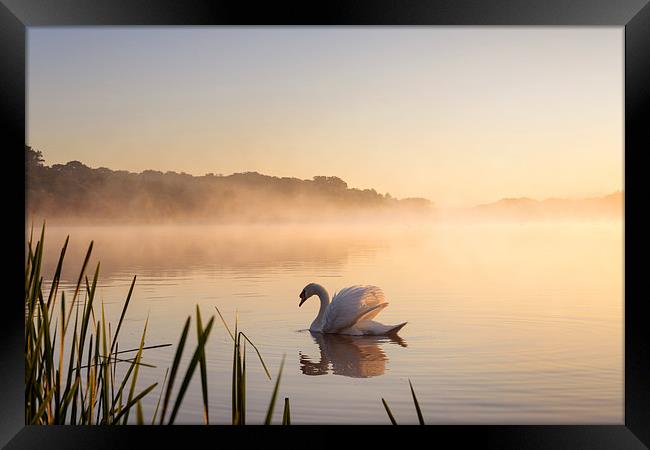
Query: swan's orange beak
(302, 299)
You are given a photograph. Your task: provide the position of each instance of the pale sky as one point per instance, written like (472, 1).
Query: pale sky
(459, 115)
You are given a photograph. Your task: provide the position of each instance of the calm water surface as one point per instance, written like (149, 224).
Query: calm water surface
(507, 324)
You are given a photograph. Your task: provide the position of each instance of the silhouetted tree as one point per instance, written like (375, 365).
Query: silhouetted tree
(33, 157)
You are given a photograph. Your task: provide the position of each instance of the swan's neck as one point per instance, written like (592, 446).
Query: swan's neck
(324, 297)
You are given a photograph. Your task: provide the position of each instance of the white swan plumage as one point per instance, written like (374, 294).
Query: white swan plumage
(350, 312)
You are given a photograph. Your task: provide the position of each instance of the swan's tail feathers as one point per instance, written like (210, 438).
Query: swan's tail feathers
(396, 328)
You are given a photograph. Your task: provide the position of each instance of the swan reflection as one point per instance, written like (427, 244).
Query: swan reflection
(351, 356)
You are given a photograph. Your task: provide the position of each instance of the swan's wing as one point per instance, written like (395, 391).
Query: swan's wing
(353, 304)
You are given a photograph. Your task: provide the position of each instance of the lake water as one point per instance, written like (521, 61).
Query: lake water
(507, 323)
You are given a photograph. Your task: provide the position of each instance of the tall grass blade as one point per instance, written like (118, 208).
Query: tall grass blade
(175, 363)
(148, 347)
(126, 305)
(241, 419)
(417, 405)
(114, 360)
(390, 414)
(136, 370)
(269, 412)
(200, 349)
(59, 380)
(138, 411)
(232, 336)
(57, 273)
(106, 372)
(234, 396)
(242, 386)
(286, 415)
(48, 367)
(30, 256)
(266, 370)
(155, 413)
(225, 324)
(204, 375)
(68, 397)
(75, 343)
(81, 275)
(88, 307)
(136, 399)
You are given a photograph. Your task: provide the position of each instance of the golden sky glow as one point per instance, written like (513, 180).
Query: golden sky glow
(460, 115)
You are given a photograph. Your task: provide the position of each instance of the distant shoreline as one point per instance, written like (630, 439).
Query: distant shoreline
(74, 193)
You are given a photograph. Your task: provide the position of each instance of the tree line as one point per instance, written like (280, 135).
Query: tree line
(75, 191)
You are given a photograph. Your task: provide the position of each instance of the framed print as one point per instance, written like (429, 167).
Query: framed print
(373, 215)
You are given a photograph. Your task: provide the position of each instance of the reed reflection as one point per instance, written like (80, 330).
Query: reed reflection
(350, 356)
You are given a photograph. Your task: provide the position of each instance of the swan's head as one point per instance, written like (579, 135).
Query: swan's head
(307, 292)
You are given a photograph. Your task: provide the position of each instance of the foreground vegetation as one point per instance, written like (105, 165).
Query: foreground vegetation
(71, 360)
(415, 403)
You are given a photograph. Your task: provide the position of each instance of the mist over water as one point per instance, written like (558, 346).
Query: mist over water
(507, 322)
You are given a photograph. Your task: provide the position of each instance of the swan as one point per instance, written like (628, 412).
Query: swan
(350, 311)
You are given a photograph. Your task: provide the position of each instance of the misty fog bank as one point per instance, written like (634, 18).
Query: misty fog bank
(74, 192)
(608, 207)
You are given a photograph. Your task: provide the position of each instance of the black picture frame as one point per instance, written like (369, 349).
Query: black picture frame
(634, 15)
